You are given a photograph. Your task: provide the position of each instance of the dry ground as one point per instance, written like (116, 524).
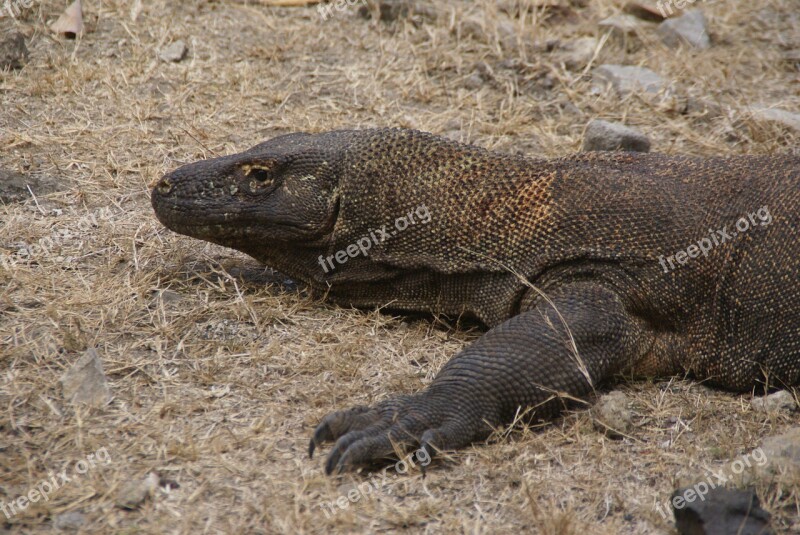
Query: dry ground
(219, 375)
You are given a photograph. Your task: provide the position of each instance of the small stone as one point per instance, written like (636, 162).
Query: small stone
(606, 136)
(13, 52)
(85, 382)
(777, 402)
(134, 493)
(621, 24)
(626, 79)
(690, 29)
(782, 454)
(71, 521)
(776, 115)
(612, 415)
(174, 52)
(70, 23)
(720, 511)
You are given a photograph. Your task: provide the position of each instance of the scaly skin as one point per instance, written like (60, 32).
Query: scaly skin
(566, 261)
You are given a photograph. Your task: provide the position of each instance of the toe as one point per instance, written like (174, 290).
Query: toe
(339, 423)
(451, 435)
(365, 451)
(344, 443)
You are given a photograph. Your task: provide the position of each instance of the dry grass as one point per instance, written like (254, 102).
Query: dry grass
(219, 378)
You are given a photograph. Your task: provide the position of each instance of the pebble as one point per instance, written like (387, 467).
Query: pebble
(71, 521)
(777, 402)
(85, 382)
(688, 29)
(174, 52)
(135, 492)
(626, 79)
(606, 136)
(621, 24)
(612, 415)
(777, 115)
(721, 511)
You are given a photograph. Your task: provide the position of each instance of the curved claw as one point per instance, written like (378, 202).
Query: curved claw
(429, 449)
(322, 434)
(336, 424)
(367, 435)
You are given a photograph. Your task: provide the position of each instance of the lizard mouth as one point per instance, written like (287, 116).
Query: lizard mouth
(214, 223)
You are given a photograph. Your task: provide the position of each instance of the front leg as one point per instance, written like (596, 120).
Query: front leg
(529, 361)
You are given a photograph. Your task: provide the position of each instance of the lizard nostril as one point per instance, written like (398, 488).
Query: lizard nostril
(164, 186)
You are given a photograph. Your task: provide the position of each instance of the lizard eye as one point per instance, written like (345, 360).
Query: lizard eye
(261, 175)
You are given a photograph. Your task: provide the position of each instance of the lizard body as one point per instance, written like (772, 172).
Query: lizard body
(582, 268)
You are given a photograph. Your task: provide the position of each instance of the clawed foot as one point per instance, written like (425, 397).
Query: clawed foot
(370, 435)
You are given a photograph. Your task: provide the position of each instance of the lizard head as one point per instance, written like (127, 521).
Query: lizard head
(277, 196)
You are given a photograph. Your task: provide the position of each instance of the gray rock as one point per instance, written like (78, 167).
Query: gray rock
(776, 462)
(626, 79)
(690, 29)
(719, 512)
(133, 493)
(777, 402)
(71, 521)
(621, 24)
(85, 382)
(605, 136)
(13, 52)
(174, 52)
(775, 115)
(782, 454)
(612, 415)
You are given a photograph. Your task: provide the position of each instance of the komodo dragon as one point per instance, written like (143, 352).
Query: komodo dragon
(583, 269)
